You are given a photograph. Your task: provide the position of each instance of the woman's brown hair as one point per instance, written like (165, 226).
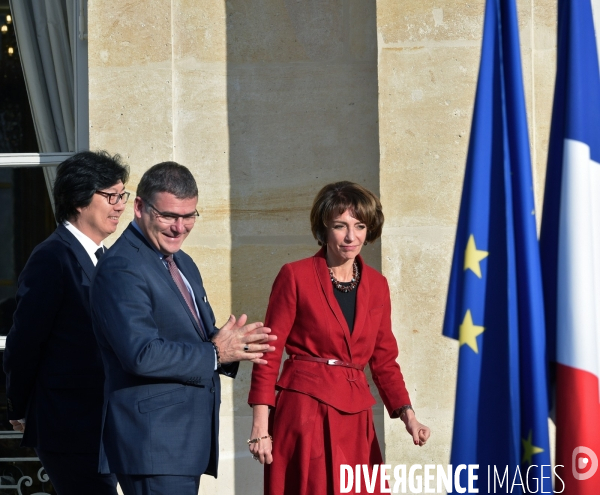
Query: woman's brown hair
(334, 199)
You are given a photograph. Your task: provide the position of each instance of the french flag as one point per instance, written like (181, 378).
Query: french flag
(570, 250)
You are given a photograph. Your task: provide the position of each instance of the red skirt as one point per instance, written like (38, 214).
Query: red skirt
(311, 440)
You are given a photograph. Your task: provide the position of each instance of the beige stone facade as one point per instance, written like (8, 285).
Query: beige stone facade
(268, 100)
(428, 67)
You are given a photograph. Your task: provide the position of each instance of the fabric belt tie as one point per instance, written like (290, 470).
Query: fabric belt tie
(330, 362)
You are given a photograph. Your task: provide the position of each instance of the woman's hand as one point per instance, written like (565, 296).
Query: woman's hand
(261, 449)
(419, 432)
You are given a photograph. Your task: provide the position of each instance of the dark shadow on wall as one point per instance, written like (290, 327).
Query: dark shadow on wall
(302, 112)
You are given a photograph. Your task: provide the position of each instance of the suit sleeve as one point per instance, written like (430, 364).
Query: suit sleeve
(230, 369)
(39, 298)
(384, 368)
(281, 314)
(123, 309)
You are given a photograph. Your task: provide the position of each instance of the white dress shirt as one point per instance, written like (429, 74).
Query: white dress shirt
(90, 246)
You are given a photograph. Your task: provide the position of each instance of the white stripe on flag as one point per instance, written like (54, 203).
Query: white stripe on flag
(578, 311)
(596, 17)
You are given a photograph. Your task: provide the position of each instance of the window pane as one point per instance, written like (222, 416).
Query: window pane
(17, 133)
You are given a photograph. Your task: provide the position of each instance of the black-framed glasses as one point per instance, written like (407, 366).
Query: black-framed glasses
(171, 218)
(114, 198)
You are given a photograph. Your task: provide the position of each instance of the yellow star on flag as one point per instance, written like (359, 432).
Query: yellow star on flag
(467, 332)
(473, 256)
(529, 450)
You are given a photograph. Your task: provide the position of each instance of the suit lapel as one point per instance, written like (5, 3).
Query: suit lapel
(320, 264)
(152, 258)
(81, 255)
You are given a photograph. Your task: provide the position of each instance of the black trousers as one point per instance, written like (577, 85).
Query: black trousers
(158, 485)
(76, 473)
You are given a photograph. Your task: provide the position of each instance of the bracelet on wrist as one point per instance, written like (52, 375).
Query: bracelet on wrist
(403, 411)
(258, 439)
(216, 348)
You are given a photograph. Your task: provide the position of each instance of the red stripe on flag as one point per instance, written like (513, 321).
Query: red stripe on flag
(577, 425)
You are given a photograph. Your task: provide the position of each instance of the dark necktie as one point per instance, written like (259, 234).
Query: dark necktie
(174, 271)
(99, 252)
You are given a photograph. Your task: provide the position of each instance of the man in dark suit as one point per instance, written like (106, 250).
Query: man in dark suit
(54, 373)
(161, 350)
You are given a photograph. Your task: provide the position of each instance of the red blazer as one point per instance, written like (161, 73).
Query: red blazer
(307, 320)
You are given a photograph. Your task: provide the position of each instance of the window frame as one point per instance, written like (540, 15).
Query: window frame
(81, 106)
(81, 97)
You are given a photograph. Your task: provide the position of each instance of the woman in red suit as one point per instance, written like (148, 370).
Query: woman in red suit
(332, 313)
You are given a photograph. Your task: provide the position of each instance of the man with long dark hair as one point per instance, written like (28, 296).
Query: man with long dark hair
(54, 373)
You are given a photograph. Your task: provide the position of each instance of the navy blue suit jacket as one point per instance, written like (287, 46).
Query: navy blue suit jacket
(54, 373)
(162, 395)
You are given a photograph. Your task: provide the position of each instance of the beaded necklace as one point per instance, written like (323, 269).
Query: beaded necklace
(344, 286)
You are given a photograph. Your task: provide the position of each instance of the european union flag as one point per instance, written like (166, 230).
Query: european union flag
(495, 304)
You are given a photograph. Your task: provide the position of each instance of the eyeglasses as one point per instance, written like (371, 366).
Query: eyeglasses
(114, 198)
(172, 218)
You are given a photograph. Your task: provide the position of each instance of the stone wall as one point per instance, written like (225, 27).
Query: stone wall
(268, 100)
(427, 67)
